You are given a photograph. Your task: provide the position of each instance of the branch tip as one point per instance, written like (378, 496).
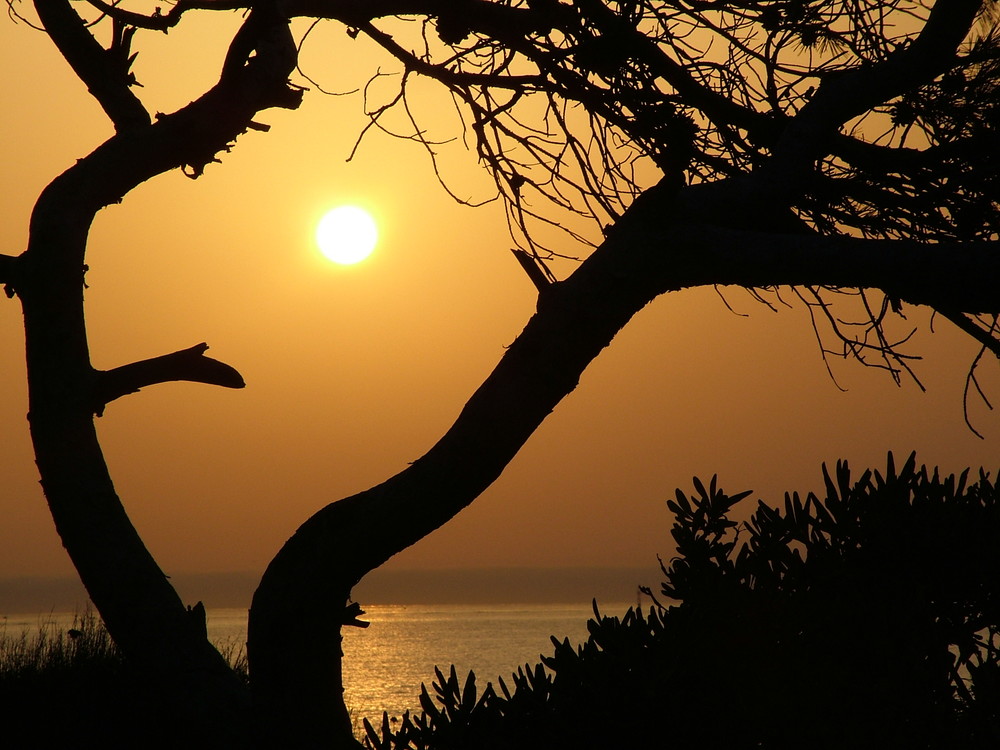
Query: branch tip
(535, 268)
(185, 365)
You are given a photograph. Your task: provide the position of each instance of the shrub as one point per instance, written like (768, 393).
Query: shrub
(71, 688)
(868, 618)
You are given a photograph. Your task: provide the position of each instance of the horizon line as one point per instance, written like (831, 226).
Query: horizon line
(482, 585)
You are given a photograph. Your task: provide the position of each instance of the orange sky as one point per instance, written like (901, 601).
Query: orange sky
(353, 372)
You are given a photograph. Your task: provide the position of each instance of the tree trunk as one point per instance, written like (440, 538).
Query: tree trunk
(164, 643)
(665, 242)
(298, 609)
(141, 610)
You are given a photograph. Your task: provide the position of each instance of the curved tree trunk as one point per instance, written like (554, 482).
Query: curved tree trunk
(140, 608)
(294, 643)
(666, 241)
(162, 640)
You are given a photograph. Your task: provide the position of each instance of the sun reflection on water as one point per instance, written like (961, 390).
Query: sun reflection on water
(385, 664)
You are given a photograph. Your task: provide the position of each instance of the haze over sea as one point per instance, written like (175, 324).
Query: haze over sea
(471, 619)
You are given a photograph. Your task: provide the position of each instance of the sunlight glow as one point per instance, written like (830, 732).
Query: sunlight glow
(346, 234)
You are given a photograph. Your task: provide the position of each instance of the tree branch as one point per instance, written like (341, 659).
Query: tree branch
(717, 107)
(847, 94)
(483, 14)
(187, 364)
(449, 76)
(188, 138)
(105, 72)
(983, 336)
(957, 276)
(165, 22)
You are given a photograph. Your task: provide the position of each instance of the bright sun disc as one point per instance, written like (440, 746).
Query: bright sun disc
(346, 235)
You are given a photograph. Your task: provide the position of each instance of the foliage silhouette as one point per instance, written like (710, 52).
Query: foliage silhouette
(867, 618)
(72, 688)
(842, 150)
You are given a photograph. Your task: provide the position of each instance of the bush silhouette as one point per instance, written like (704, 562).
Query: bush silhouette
(73, 688)
(867, 618)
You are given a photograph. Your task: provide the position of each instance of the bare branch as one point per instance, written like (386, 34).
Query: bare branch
(16, 17)
(164, 22)
(716, 106)
(187, 364)
(481, 14)
(990, 343)
(852, 92)
(105, 72)
(190, 138)
(536, 269)
(445, 74)
(864, 341)
(972, 382)
(986, 337)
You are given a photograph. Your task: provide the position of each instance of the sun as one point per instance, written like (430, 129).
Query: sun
(346, 235)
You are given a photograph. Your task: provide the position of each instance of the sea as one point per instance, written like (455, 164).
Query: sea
(386, 663)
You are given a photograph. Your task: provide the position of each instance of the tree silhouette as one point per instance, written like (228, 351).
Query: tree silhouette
(840, 150)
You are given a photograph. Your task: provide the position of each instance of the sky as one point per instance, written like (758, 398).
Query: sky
(353, 372)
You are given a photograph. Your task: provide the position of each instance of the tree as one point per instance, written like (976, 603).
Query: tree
(837, 149)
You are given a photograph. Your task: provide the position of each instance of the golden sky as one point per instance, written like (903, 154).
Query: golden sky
(354, 372)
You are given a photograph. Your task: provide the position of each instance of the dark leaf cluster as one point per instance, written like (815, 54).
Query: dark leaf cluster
(865, 618)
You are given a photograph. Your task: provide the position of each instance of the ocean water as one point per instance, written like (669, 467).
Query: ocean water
(386, 663)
